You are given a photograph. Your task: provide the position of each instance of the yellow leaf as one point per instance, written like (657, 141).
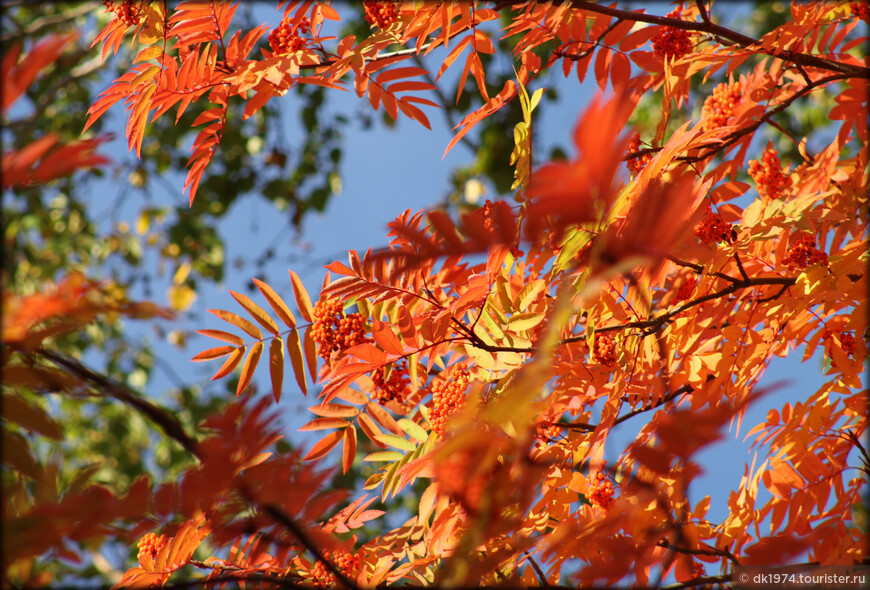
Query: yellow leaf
(181, 297)
(181, 274)
(153, 29)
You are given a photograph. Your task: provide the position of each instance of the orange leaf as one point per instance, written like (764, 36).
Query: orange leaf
(229, 364)
(256, 312)
(249, 366)
(302, 299)
(221, 335)
(213, 353)
(238, 322)
(323, 424)
(294, 348)
(349, 450)
(334, 410)
(276, 367)
(324, 445)
(277, 303)
(384, 419)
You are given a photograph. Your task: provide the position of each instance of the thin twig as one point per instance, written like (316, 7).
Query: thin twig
(298, 532)
(712, 552)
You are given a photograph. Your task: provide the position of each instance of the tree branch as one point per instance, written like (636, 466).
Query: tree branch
(711, 28)
(713, 552)
(169, 424)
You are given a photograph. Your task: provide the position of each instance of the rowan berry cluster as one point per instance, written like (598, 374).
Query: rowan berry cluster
(719, 107)
(769, 178)
(686, 288)
(635, 165)
(287, 37)
(333, 331)
(348, 563)
(860, 10)
(604, 351)
(452, 474)
(391, 383)
(128, 12)
(671, 42)
(381, 13)
(546, 432)
(601, 492)
(713, 229)
(846, 340)
(491, 213)
(448, 398)
(803, 253)
(150, 545)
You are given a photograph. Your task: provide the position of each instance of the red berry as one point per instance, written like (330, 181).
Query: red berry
(547, 432)
(714, 229)
(128, 12)
(860, 10)
(687, 287)
(769, 178)
(391, 382)
(803, 253)
(601, 492)
(286, 38)
(671, 42)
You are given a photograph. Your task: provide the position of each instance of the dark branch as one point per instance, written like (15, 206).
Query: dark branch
(170, 425)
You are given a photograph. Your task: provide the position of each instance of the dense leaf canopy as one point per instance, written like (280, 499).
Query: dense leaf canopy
(710, 216)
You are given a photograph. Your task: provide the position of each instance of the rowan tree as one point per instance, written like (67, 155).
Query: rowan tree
(483, 357)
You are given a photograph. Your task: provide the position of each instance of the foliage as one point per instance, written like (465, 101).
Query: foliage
(485, 358)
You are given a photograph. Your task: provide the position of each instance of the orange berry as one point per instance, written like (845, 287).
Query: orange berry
(448, 398)
(601, 492)
(547, 432)
(687, 287)
(286, 37)
(381, 13)
(769, 178)
(719, 107)
(671, 42)
(635, 165)
(349, 564)
(391, 382)
(803, 253)
(332, 331)
(128, 12)
(714, 229)
(604, 352)
(150, 544)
